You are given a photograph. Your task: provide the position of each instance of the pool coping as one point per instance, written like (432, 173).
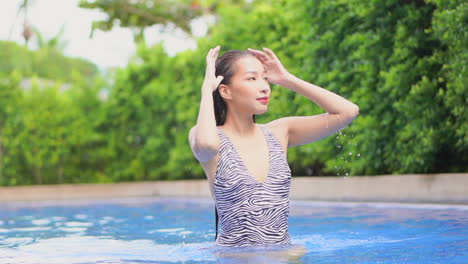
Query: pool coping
(448, 189)
(209, 201)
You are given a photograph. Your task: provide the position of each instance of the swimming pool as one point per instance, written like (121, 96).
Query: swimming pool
(175, 230)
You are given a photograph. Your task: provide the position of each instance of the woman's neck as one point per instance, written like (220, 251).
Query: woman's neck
(240, 124)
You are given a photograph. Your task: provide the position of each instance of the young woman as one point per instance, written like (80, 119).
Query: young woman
(246, 162)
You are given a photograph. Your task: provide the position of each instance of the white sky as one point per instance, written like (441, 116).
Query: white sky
(106, 49)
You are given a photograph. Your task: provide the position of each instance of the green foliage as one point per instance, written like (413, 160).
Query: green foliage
(48, 135)
(54, 42)
(140, 14)
(143, 13)
(382, 56)
(402, 62)
(449, 27)
(47, 62)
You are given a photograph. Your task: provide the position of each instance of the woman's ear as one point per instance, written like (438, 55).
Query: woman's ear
(225, 91)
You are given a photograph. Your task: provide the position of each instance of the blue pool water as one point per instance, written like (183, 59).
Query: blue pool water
(157, 230)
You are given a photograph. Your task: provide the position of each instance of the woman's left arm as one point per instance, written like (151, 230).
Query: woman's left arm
(301, 130)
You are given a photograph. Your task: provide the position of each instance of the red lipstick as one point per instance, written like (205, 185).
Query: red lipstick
(263, 100)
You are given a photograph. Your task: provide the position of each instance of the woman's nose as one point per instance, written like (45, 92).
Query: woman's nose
(265, 88)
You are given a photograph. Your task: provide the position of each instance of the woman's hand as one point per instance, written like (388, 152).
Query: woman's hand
(275, 71)
(211, 82)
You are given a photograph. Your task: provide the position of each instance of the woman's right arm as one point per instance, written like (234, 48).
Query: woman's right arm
(203, 137)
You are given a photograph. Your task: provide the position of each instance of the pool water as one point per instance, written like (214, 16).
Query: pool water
(163, 230)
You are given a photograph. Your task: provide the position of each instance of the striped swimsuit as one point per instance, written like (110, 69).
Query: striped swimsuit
(252, 212)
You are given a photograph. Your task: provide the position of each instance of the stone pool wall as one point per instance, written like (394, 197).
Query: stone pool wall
(451, 188)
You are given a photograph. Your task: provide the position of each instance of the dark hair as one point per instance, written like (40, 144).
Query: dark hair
(225, 66)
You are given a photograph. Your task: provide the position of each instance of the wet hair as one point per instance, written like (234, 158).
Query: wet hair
(225, 66)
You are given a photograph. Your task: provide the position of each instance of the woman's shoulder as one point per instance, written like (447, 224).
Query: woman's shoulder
(273, 126)
(278, 130)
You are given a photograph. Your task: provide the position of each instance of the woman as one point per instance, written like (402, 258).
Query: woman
(245, 162)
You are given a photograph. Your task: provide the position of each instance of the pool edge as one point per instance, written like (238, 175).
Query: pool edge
(449, 188)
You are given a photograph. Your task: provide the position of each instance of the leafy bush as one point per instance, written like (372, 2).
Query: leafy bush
(402, 62)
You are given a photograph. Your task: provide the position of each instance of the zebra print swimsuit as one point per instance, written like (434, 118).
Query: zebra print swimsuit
(252, 212)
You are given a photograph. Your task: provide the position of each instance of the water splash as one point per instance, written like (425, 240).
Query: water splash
(344, 141)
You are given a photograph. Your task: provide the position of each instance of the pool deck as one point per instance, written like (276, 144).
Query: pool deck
(449, 188)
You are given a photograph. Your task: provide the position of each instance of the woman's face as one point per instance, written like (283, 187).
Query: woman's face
(250, 91)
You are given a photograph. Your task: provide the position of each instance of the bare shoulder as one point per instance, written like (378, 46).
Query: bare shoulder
(191, 135)
(279, 130)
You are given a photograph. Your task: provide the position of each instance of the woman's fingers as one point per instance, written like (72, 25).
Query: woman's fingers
(264, 55)
(260, 54)
(219, 79)
(271, 53)
(210, 66)
(208, 56)
(212, 54)
(214, 51)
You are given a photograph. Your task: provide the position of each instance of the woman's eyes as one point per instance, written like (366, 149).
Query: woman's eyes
(254, 78)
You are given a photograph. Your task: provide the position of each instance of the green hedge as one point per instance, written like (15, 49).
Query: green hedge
(403, 63)
(46, 63)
